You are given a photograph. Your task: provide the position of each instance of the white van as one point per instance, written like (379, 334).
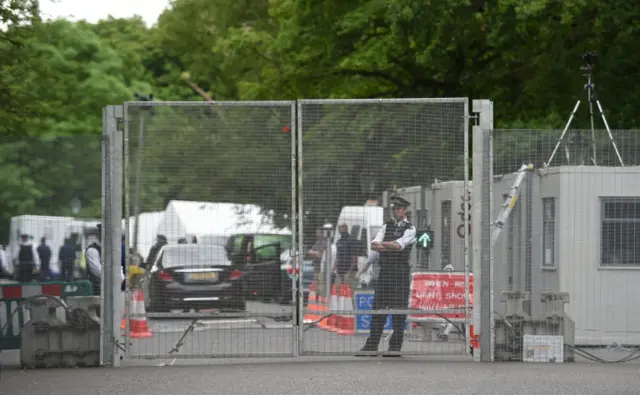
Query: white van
(364, 222)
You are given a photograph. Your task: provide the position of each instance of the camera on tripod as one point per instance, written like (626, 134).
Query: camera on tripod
(589, 58)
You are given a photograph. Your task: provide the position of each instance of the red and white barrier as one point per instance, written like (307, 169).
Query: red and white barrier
(26, 291)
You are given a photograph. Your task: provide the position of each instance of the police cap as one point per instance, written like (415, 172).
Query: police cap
(397, 201)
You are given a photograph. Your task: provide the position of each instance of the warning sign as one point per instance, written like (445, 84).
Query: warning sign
(439, 291)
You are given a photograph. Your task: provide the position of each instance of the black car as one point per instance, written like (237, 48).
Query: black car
(194, 276)
(265, 274)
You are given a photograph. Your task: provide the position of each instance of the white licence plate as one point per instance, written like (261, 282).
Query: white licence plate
(201, 276)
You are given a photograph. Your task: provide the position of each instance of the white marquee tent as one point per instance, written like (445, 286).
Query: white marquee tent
(214, 221)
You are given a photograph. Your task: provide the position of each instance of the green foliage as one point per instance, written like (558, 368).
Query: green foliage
(56, 77)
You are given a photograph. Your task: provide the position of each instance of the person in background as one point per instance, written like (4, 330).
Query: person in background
(346, 260)
(315, 253)
(66, 257)
(93, 255)
(26, 260)
(123, 259)
(44, 253)
(374, 258)
(6, 268)
(161, 241)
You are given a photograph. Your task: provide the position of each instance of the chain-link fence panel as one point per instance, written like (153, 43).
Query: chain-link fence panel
(50, 194)
(567, 244)
(374, 261)
(209, 219)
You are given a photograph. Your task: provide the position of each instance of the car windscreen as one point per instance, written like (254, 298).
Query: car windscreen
(194, 255)
(263, 240)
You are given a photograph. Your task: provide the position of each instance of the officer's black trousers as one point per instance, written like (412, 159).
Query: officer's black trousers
(25, 272)
(66, 271)
(391, 292)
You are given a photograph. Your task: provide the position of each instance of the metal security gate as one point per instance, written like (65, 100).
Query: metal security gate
(352, 151)
(212, 183)
(254, 183)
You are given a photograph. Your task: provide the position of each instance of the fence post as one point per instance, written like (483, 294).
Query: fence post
(481, 229)
(111, 234)
(297, 256)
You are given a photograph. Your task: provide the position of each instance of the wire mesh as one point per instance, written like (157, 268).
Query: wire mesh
(566, 263)
(50, 194)
(356, 155)
(210, 219)
(45, 196)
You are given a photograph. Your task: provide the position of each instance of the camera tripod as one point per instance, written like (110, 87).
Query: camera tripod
(590, 90)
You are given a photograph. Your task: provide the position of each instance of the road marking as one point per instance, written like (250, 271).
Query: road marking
(225, 322)
(163, 364)
(277, 325)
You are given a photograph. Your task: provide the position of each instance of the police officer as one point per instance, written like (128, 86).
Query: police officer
(394, 242)
(27, 260)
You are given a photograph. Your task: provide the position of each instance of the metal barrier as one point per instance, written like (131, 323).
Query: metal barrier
(243, 182)
(355, 151)
(12, 295)
(222, 174)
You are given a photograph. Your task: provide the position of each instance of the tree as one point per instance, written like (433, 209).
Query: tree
(18, 18)
(525, 57)
(49, 159)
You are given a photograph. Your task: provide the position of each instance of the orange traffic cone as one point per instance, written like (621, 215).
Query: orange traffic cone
(323, 307)
(312, 308)
(139, 327)
(338, 317)
(475, 339)
(333, 306)
(123, 322)
(348, 322)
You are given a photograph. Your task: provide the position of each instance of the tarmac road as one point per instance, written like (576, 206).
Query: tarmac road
(437, 373)
(306, 376)
(260, 336)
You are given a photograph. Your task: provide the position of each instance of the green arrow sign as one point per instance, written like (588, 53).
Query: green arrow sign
(424, 240)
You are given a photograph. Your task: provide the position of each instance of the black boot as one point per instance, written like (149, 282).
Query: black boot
(367, 351)
(392, 354)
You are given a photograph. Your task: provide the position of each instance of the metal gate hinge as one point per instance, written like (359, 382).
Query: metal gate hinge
(474, 116)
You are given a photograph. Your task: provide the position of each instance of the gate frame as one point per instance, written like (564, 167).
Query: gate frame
(467, 256)
(115, 157)
(482, 201)
(112, 175)
(114, 154)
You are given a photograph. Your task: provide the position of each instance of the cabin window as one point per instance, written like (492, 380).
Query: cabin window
(549, 232)
(620, 231)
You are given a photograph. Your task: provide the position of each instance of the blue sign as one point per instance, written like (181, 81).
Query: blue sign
(364, 301)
